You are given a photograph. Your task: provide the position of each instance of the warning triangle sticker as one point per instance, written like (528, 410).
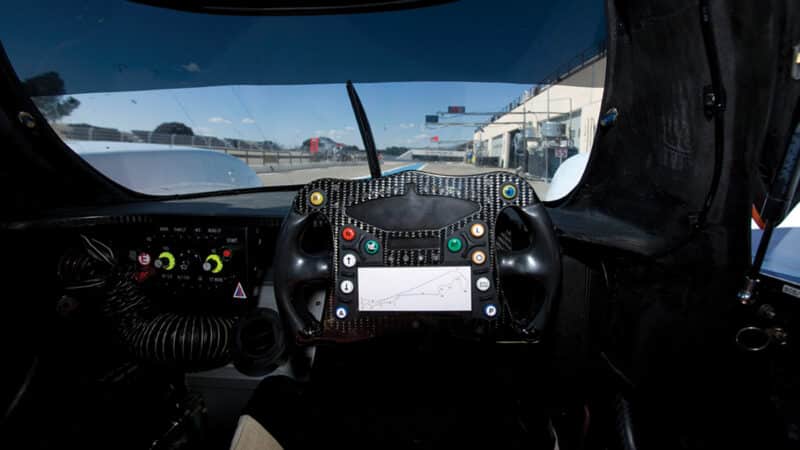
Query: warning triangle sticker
(239, 292)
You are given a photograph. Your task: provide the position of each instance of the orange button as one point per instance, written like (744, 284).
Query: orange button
(348, 233)
(477, 230)
(478, 257)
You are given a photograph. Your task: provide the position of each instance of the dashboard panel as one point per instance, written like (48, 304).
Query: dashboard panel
(248, 224)
(172, 246)
(197, 262)
(196, 266)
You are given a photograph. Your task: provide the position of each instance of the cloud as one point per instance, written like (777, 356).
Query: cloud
(248, 121)
(219, 120)
(333, 133)
(422, 136)
(336, 133)
(203, 130)
(406, 126)
(191, 67)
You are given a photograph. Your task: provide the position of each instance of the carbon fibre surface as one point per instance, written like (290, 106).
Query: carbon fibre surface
(340, 196)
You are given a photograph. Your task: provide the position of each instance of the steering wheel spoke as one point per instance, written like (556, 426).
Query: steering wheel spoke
(307, 269)
(295, 268)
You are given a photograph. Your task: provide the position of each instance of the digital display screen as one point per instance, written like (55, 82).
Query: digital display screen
(414, 289)
(400, 243)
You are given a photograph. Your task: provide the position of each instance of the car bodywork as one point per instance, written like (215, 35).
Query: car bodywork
(155, 170)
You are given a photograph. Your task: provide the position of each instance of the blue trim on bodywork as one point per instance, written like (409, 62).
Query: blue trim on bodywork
(415, 166)
(406, 168)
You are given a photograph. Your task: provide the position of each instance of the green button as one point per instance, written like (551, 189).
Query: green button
(372, 246)
(509, 191)
(454, 244)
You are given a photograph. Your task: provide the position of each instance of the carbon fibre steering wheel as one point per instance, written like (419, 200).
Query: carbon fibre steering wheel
(415, 247)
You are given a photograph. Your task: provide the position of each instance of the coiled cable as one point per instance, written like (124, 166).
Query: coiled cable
(184, 341)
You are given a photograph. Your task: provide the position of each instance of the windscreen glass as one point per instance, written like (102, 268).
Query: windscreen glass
(169, 102)
(781, 260)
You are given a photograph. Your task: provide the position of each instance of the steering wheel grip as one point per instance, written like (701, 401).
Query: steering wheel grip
(540, 262)
(295, 268)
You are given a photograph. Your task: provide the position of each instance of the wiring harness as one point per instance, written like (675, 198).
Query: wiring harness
(181, 340)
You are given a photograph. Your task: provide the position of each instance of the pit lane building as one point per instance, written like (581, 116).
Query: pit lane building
(560, 115)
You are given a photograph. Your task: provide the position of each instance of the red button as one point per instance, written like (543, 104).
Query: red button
(348, 233)
(226, 253)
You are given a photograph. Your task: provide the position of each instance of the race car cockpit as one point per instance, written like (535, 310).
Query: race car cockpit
(407, 224)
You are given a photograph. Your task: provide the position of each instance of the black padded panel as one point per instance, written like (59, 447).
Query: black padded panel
(412, 211)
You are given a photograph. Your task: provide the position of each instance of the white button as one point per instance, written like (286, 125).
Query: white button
(349, 260)
(341, 312)
(477, 230)
(490, 310)
(483, 284)
(347, 286)
(144, 258)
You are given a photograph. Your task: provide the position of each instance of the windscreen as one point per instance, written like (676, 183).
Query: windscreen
(170, 102)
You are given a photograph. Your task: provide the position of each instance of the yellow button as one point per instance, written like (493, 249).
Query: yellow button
(478, 257)
(477, 230)
(316, 198)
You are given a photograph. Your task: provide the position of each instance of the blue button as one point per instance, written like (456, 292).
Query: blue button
(509, 191)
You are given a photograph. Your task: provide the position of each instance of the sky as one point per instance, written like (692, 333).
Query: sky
(289, 114)
(105, 45)
(273, 74)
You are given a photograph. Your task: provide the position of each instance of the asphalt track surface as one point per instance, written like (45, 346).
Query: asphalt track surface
(353, 171)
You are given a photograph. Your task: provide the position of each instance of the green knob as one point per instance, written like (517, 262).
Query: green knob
(166, 261)
(213, 263)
